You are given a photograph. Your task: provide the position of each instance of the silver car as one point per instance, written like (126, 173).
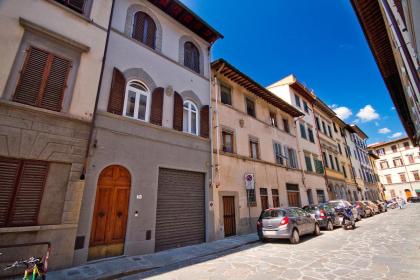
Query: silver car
(286, 223)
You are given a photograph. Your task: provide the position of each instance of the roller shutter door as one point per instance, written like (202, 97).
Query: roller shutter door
(180, 219)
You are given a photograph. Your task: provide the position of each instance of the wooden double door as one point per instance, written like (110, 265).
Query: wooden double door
(110, 213)
(229, 220)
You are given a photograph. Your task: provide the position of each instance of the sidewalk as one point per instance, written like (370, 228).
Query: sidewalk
(123, 266)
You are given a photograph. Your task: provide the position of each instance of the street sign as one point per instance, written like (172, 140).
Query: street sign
(249, 181)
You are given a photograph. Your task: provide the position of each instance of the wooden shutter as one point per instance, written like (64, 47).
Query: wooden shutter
(151, 32)
(204, 121)
(43, 80)
(77, 5)
(157, 106)
(52, 97)
(29, 191)
(116, 96)
(178, 112)
(31, 77)
(9, 170)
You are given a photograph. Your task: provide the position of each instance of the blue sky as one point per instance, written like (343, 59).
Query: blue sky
(321, 42)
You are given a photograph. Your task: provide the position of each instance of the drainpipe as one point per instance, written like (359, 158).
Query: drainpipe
(320, 149)
(95, 108)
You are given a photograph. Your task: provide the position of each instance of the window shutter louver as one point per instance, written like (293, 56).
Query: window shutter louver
(29, 191)
(151, 33)
(157, 106)
(43, 80)
(116, 95)
(31, 77)
(78, 5)
(204, 121)
(191, 57)
(9, 169)
(178, 112)
(52, 97)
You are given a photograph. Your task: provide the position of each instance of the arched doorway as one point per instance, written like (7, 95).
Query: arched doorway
(408, 193)
(110, 213)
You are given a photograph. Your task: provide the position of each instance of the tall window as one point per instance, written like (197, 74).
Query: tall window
(137, 101)
(311, 135)
(276, 198)
(264, 198)
(297, 100)
(337, 164)
(339, 148)
(397, 162)
(331, 162)
(410, 159)
(250, 197)
(253, 149)
(292, 158)
(225, 95)
(394, 148)
(308, 162)
(191, 57)
(388, 179)
(344, 171)
(190, 118)
(416, 175)
(227, 141)
(286, 125)
(317, 123)
(302, 131)
(273, 119)
(319, 168)
(406, 145)
(250, 107)
(320, 196)
(384, 164)
(324, 129)
(42, 80)
(329, 131)
(324, 156)
(144, 29)
(402, 177)
(278, 153)
(306, 107)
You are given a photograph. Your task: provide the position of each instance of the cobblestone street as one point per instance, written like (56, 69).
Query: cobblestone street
(386, 246)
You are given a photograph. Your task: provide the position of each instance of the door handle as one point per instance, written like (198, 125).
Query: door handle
(119, 214)
(101, 214)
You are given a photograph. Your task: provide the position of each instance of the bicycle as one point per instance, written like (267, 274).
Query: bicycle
(36, 267)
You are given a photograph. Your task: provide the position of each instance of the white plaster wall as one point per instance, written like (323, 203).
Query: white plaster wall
(58, 19)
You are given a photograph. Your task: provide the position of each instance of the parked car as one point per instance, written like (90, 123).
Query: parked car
(363, 209)
(414, 199)
(341, 204)
(381, 205)
(372, 205)
(286, 223)
(325, 215)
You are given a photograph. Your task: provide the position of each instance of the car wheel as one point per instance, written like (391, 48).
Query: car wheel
(330, 226)
(294, 239)
(317, 231)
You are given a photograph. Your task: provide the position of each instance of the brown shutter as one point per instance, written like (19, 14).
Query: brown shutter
(9, 169)
(52, 97)
(157, 106)
(204, 121)
(29, 191)
(138, 29)
(31, 77)
(78, 5)
(116, 96)
(178, 112)
(151, 33)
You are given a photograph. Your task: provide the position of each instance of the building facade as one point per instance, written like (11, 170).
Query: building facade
(48, 85)
(148, 178)
(392, 29)
(309, 152)
(255, 152)
(398, 167)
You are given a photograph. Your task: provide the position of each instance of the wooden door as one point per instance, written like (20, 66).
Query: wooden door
(293, 198)
(229, 215)
(110, 213)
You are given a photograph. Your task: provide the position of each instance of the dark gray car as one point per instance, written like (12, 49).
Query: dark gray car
(286, 223)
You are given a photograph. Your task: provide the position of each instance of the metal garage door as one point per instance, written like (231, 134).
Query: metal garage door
(180, 219)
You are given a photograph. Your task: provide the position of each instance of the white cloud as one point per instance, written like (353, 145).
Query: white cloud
(395, 135)
(367, 114)
(342, 112)
(384, 130)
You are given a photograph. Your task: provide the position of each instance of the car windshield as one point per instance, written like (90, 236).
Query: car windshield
(310, 208)
(335, 204)
(272, 213)
(326, 207)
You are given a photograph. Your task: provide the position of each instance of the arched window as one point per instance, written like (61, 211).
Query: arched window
(144, 29)
(191, 57)
(137, 101)
(190, 118)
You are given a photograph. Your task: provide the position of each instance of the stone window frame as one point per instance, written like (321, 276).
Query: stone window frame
(87, 11)
(184, 39)
(129, 23)
(40, 37)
